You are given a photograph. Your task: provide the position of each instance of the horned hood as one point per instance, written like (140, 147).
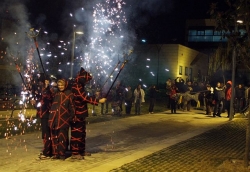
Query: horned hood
(83, 77)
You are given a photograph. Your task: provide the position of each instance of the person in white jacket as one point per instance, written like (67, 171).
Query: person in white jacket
(139, 95)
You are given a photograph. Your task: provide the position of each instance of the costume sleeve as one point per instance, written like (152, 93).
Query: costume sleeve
(71, 106)
(80, 94)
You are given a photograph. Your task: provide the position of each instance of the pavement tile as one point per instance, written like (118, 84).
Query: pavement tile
(119, 140)
(205, 152)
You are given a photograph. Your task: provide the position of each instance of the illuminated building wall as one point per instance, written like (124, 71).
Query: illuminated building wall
(175, 60)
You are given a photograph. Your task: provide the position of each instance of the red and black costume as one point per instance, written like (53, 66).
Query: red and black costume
(81, 98)
(43, 106)
(62, 110)
(43, 112)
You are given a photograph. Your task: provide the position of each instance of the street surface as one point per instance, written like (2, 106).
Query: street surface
(112, 143)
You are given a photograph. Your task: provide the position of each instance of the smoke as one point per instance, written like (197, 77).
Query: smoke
(109, 30)
(14, 27)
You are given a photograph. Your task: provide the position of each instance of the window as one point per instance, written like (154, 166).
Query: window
(217, 32)
(200, 32)
(192, 32)
(190, 72)
(209, 32)
(186, 71)
(180, 70)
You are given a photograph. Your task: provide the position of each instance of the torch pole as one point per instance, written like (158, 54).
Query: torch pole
(36, 44)
(122, 66)
(111, 73)
(19, 71)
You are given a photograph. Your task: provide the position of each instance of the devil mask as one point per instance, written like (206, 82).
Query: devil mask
(83, 77)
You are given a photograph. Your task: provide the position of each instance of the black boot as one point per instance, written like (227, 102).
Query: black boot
(218, 115)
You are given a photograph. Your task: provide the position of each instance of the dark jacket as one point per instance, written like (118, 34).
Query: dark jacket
(239, 92)
(128, 95)
(219, 93)
(152, 93)
(208, 96)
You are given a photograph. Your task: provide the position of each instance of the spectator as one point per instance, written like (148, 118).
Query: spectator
(239, 97)
(168, 91)
(208, 99)
(128, 97)
(152, 98)
(179, 82)
(119, 90)
(139, 95)
(173, 99)
(188, 88)
(219, 96)
(228, 93)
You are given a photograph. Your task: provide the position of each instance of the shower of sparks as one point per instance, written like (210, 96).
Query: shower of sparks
(106, 40)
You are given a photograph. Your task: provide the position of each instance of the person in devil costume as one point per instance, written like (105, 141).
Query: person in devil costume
(44, 97)
(78, 125)
(62, 111)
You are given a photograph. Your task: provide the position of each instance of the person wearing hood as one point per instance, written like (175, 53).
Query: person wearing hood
(62, 110)
(42, 100)
(228, 96)
(78, 124)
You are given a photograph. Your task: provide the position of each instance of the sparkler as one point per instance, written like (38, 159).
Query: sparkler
(33, 35)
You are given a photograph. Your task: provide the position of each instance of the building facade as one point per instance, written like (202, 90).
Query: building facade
(156, 63)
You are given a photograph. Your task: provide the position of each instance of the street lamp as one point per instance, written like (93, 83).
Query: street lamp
(158, 63)
(73, 50)
(231, 115)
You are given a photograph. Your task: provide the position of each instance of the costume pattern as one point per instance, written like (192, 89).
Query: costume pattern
(62, 111)
(78, 126)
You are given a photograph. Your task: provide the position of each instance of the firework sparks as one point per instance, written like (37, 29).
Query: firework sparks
(106, 39)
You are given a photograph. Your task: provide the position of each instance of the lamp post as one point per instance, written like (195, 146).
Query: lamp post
(73, 51)
(158, 63)
(231, 115)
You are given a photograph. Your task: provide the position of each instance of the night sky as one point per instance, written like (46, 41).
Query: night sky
(161, 21)
(112, 29)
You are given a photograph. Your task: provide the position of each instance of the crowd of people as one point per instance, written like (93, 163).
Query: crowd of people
(216, 99)
(180, 95)
(120, 95)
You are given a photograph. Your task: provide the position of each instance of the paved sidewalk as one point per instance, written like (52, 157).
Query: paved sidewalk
(151, 142)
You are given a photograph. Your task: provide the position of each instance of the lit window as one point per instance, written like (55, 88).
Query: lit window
(186, 71)
(200, 32)
(180, 70)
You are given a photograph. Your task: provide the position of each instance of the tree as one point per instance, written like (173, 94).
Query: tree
(234, 22)
(219, 61)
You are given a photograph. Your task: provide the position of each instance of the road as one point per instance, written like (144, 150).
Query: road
(112, 143)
